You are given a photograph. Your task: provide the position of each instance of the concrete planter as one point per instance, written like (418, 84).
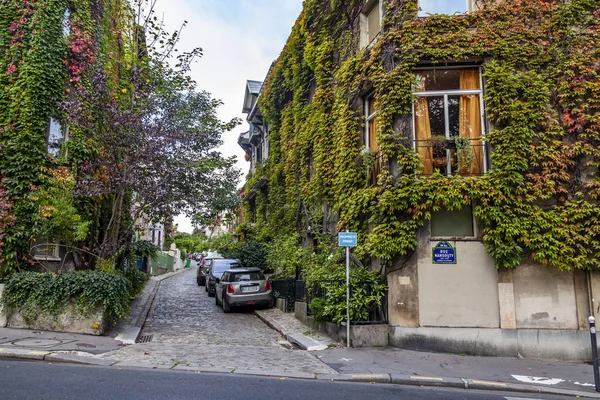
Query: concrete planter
(68, 320)
(360, 335)
(3, 318)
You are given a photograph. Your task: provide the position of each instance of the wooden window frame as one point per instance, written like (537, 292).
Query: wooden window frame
(445, 94)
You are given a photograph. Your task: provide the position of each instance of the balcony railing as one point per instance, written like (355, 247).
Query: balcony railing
(467, 157)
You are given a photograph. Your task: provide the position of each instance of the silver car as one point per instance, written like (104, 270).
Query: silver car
(243, 287)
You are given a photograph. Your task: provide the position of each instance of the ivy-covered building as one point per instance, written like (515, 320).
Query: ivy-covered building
(461, 142)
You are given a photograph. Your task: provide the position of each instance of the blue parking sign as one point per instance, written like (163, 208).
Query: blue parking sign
(347, 239)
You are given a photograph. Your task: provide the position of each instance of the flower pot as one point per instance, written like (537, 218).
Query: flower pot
(440, 162)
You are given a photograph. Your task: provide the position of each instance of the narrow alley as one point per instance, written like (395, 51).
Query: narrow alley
(187, 330)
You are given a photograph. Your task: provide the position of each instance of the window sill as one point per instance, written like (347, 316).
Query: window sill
(454, 239)
(43, 258)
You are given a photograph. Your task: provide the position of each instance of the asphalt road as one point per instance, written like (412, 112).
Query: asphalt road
(31, 380)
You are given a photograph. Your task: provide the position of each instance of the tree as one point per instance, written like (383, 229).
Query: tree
(154, 139)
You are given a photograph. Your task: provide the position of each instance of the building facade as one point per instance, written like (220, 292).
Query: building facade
(460, 142)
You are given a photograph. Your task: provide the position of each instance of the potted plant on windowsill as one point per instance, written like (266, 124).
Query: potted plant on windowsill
(464, 154)
(439, 144)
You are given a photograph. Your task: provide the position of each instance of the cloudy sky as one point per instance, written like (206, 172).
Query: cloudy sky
(240, 39)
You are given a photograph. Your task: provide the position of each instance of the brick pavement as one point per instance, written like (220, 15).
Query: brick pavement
(188, 329)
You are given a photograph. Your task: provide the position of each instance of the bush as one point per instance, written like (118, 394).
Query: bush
(144, 248)
(367, 289)
(37, 294)
(317, 307)
(137, 280)
(285, 257)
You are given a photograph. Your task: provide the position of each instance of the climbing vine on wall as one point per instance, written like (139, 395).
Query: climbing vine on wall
(540, 66)
(45, 46)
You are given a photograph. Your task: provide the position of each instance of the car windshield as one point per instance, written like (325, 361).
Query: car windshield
(247, 276)
(220, 266)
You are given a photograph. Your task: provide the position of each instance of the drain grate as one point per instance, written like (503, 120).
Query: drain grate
(145, 339)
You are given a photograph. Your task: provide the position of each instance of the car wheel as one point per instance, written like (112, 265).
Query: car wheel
(198, 282)
(211, 293)
(216, 300)
(226, 306)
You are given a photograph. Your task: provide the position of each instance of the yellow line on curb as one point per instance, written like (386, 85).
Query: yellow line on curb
(488, 383)
(37, 353)
(426, 378)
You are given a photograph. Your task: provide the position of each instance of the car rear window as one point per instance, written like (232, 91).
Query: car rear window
(220, 266)
(247, 276)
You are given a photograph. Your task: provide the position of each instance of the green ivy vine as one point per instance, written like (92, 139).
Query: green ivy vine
(542, 95)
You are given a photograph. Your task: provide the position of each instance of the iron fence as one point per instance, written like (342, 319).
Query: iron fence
(377, 312)
(285, 289)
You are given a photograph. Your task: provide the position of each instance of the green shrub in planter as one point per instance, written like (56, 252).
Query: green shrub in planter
(36, 294)
(317, 307)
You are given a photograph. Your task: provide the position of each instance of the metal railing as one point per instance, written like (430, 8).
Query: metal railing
(285, 289)
(443, 156)
(377, 313)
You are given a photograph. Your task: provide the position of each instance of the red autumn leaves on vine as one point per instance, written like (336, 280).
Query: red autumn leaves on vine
(80, 51)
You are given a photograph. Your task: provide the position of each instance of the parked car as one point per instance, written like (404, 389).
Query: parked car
(203, 267)
(243, 287)
(217, 267)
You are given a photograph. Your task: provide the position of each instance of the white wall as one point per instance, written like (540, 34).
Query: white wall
(544, 297)
(464, 294)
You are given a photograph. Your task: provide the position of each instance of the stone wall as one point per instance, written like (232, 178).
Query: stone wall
(360, 335)
(67, 321)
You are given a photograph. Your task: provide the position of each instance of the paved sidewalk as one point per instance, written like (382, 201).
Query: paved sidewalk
(394, 361)
(25, 339)
(295, 331)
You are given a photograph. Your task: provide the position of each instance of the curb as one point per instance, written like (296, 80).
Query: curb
(131, 333)
(394, 379)
(23, 354)
(270, 324)
(302, 341)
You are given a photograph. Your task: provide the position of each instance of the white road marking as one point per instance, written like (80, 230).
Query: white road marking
(346, 359)
(538, 380)
(520, 398)
(583, 384)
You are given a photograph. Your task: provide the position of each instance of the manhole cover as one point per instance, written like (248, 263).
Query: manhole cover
(32, 342)
(87, 346)
(145, 339)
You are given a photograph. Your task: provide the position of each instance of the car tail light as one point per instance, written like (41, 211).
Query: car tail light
(267, 285)
(230, 288)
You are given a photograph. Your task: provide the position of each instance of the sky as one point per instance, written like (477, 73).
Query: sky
(240, 39)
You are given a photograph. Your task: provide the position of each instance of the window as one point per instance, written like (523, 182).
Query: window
(443, 7)
(370, 137)
(370, 21)
(66, 24)
(247, 276)
(455, 223)
(259, 153)
(57, 134)
(43, 249)
(447, 120)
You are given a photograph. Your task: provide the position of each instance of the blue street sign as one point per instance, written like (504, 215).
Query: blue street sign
(347, 239)
(444, 253)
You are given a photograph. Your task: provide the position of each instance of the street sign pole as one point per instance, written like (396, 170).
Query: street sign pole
(348, 296)
(347, 240)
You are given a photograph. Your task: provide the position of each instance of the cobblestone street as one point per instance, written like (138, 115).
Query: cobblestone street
(189, 331)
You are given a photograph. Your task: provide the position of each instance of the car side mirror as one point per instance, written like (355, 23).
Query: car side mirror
(217, 280)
